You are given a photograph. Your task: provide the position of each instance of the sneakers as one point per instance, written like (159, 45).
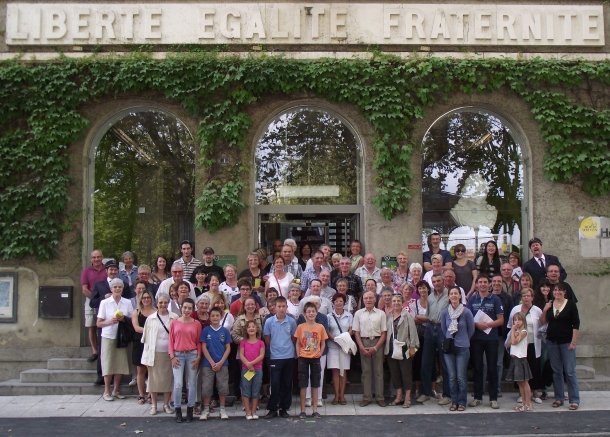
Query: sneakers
(254, 417)
(444, 401)
(204, 415)
(320, 403)
(271, 414)
(494, 405)
(475, 403)
(308, 402)
(537, 400)
(303, 415)
(133, 383)
(422, 398)
(248, 417)
(284, 414)
(316, 415)
(223, 414)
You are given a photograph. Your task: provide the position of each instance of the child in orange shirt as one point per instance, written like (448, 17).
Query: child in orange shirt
(311, 339)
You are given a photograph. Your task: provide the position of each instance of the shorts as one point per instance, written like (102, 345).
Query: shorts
(90, 319)
(221, 378)
(251, 389)
(309, 369)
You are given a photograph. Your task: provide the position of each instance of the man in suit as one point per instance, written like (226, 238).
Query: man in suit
(537, 264)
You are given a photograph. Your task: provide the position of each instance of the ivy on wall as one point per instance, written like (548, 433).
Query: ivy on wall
(39, 119)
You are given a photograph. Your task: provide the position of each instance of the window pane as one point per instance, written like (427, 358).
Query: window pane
(472, 181)
(144, 186)
(307, 156)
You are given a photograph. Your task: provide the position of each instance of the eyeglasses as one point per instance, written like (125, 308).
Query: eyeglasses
(459, 251)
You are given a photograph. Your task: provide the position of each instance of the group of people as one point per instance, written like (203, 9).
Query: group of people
(203, 332)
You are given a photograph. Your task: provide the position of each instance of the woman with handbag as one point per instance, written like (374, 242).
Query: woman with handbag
(155, 339)
(113, 310)
(401, 344)
(457, 324)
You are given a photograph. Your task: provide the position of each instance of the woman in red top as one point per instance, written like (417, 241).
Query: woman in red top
(184, 349)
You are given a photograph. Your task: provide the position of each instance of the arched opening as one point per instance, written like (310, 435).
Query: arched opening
(473, 187)
(308, 179)
(143, 163)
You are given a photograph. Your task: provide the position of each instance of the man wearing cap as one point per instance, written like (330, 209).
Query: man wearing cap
(90, 275)
(188, 261)
(208, 267)
(101, 290)
(537, 264)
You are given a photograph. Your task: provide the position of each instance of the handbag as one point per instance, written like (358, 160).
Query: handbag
(398, 346)
(448, 345)
(125, 334)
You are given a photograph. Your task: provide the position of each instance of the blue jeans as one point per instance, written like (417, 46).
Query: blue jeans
(251, 389)
(457, 369)
(186, 366)
(433, 349)
(563, 361)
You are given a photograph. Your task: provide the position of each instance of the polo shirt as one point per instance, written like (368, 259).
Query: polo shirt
(490, 305)
(427, 257)
(436, 305)
(90, 276)
(280, 334)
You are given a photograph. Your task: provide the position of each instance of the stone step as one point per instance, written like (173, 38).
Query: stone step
(58, 376)
(70, 364)
(15, 387)
(584, 372)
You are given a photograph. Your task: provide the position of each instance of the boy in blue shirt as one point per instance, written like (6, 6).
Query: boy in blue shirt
(215, 345)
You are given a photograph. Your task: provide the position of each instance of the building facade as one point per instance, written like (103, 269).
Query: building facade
(133, 126)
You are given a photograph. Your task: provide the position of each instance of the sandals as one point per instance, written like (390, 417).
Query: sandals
(523, 408)
(461, 408)
(141, 400)
(453, 407)
(557, 404)
(407, 404)
(573, 407)
(395, 402)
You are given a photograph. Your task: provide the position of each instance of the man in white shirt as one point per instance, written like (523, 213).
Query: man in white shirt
(177, 276)
(369, 269)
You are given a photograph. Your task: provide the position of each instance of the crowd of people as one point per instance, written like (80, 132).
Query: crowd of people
(203, 332)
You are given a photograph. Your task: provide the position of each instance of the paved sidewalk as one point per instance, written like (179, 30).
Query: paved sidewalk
(95, 406)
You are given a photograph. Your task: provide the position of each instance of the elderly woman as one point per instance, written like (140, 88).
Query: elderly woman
(457, 323)
(415, 272)
(401, 274)
(401, 327)
(534, 342)
(155, 339)
(407, 297)
(138, 319)
(248, 312)
(113, 310)
(562, 336)
(385, 300)
(342, 285)
(184, 349)
(294, 297)
(339, 321)
(229, 287)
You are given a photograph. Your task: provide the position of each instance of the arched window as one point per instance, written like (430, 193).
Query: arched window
(143, 197)
(308, 179)
(473, 180)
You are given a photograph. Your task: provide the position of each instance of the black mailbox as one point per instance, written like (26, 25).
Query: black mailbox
(55, 302)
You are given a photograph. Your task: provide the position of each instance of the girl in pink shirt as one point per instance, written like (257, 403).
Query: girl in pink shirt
(251, 354)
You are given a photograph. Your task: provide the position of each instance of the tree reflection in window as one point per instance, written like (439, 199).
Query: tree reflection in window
(307, 156)
(467, 146)
(144, 186)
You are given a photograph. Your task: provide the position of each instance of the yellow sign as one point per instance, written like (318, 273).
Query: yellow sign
(589, 228)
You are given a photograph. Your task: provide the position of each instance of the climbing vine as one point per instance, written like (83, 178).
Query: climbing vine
(40, 119)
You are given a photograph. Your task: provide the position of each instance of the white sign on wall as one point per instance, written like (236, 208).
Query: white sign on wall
(304, 24)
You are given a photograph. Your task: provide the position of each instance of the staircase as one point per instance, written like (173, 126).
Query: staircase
(76, 376)
(62, 376)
